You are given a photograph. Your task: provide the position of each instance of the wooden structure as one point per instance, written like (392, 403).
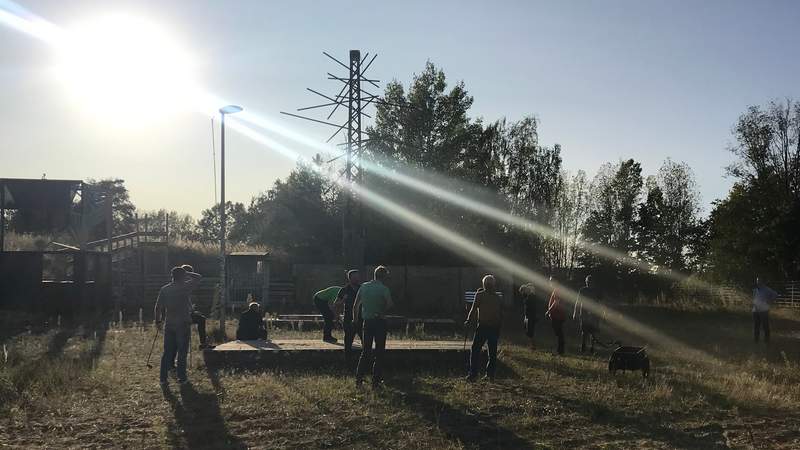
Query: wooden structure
(55, 282)
(247, 275)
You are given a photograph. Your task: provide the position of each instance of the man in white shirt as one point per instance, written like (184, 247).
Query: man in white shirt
(763, 297)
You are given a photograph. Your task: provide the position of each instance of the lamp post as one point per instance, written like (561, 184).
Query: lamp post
(230, 109)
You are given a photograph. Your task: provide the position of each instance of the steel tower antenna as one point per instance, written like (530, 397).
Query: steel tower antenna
(356, 99)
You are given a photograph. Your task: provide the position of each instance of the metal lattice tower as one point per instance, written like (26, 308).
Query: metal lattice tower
(356, 99)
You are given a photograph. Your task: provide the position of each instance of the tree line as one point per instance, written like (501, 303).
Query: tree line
(425, 130)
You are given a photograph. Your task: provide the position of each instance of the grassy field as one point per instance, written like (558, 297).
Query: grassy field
(87, 386)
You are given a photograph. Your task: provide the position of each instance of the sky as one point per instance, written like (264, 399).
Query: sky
(608, 80)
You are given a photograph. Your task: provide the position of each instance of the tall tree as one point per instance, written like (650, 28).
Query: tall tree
(754, 230)
(670, 216)
(612, 221)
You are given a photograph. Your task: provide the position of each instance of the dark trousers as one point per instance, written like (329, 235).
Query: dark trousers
(176, 343)
(488, 336)
(374, 331)
(351, 329)
(558, 329)
(327, 316)
(761, 321)
(200, 320)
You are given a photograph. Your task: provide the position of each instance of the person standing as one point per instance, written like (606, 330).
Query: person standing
(373, 299)
(555, 311)
(530, 309)
(351, 323)
(174, 306)
(323, 300)
(588, 320)
(198, 318)
(763, 297)
(487, 310)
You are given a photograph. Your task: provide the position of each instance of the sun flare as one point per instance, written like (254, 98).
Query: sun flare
(125, 70)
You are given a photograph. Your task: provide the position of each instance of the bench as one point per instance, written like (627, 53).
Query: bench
(469, 296)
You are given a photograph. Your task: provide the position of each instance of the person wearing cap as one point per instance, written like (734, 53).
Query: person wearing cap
(373, 299)
(175, 308)
(345, 299)
(251, 324)
(323, 300)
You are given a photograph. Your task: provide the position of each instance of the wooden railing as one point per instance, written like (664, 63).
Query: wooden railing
(127, 240)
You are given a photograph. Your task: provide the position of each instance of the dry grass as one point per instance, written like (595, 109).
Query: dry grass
(72, 388)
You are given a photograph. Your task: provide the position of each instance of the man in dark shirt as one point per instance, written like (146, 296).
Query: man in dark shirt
(174, 306)
(345, 299)
(251, 324)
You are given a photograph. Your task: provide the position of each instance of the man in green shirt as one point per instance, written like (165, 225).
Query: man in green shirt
(323, 300)
(373, 299)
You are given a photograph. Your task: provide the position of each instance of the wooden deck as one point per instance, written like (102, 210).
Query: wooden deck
(283, 353)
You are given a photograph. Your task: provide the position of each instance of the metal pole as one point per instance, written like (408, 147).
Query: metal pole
(222, 217)
(2, 217)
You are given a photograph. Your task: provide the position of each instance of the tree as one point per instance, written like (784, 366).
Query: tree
(124, 213)
(612, 220)
(669, 220)
(209, 224)
(754, 230)
(298, 217)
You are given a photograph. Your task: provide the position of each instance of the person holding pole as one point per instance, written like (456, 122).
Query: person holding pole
(487, 311)
(175, 308)
(373, 299)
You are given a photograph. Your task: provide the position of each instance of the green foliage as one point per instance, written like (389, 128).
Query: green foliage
(754, 230)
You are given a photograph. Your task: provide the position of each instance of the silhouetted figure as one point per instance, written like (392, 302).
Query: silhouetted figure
(373, 299)
(763, 297)
(530, 310)
(251, 324)
(588, 321)
(174, 306)
(323, 300)
(487, 310)
(198, 318)
(351, 323)
(555, 311)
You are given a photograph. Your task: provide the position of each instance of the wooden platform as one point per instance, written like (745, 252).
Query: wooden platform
(289, 353)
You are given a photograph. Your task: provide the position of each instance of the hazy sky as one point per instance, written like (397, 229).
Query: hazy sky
(608, 80)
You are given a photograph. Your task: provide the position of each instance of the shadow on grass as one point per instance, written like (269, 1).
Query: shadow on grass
(643, 426)
(198, 420)
(472, 429)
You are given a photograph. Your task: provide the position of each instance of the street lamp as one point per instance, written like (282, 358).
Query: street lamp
(230, 109)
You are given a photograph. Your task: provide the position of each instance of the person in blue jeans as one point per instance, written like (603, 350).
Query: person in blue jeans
(175, 308)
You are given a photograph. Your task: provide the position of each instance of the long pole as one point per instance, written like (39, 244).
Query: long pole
(2, 217)
(222, 218)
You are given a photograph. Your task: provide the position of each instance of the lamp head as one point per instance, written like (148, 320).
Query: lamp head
(230, 109)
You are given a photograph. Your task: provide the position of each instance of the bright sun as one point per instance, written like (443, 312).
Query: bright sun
(126, 71)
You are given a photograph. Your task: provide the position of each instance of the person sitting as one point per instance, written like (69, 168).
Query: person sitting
(251, 324)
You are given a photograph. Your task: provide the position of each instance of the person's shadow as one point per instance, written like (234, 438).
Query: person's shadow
(198, 420)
